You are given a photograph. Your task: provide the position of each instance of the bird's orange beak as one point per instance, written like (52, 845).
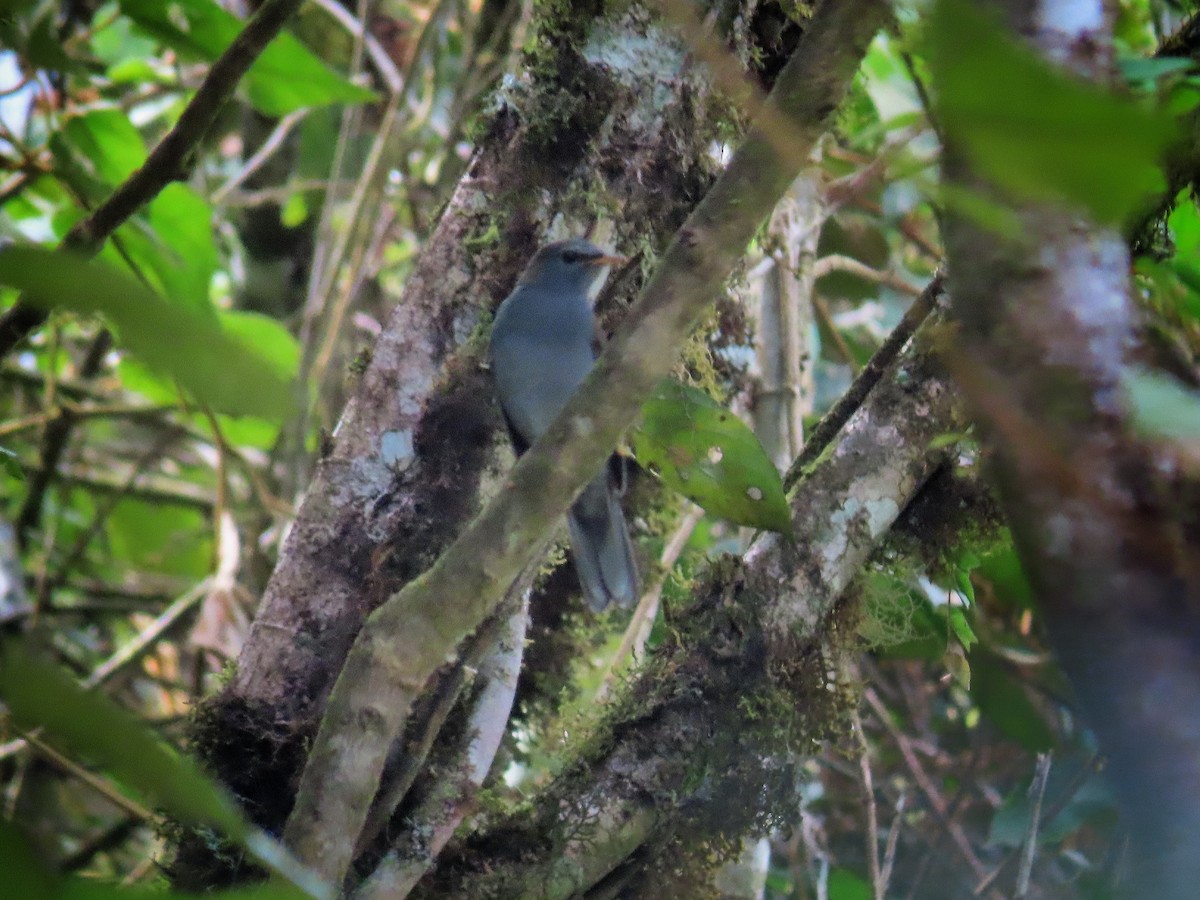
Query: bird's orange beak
(608, 261)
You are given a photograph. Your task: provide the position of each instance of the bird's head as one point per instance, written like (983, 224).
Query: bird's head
(573, 265)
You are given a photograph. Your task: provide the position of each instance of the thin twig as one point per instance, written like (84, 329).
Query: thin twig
(1052, 811)
(823, 313)
(321, 260)
(106, 840)
(841, 411)
(379, 57)
(641, 623)
(56, 437)
(851, 188)
(279, 193)
(103, 510)
(68, 387)
(95, 782)
(936, 802)
(1037, 790)
(146, 637)
(333, 327)
(109, 411)
(366, 185)
(178, 493)
(889, 853)
(866, 785)
(168, 160)
(837, 262)
(273, 142)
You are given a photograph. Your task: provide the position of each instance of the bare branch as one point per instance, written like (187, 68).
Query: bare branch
(936, 801)
(273, 142)
(841, 411)
(379, 57)
(839, 263)
(1037, 791)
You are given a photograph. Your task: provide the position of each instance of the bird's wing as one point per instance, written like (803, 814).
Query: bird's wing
(520, 445)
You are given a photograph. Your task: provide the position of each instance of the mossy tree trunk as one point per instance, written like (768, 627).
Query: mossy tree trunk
(611, 123)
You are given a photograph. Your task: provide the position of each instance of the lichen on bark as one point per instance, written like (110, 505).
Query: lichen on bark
(405, 467)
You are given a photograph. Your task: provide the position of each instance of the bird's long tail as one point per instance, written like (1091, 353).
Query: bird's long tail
(601, 548)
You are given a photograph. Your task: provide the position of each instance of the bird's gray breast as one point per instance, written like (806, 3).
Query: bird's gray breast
(541, 350)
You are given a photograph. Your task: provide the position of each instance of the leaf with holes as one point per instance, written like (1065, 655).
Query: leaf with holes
(705, 452)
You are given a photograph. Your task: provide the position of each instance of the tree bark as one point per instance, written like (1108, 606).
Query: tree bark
(702, 747)
(418, 628)
(610, 122)
(1100, 518)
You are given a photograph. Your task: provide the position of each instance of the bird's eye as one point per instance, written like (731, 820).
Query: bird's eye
(570, 257)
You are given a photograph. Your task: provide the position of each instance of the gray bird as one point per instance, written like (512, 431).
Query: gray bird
(543, 345)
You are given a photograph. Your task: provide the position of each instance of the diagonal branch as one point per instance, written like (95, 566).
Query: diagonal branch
(758, 636)
(168, 161)
(412, 634)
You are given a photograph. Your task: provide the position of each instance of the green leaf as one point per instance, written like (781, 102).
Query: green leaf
(135, 72)
(24, 874)
(846, 885)
(266, 337)
(44, 48)
(956, 663)
(286, 77)
(887, 81)
(138, 378)
(961, 627)
(1002, 699)
(984, 211)
(1033, 129)
(160, 538)
(171, 244)
(949, 439)
(11, 463)
(39, 694)
(192, 347)
(1162, 407)
(96, 151)
(1002, 568)
(1141, 68)
(1184, 224)
(962, 583)
(294, 210)
(706, 453)
(180, 226)
(1183, 98)
(120, 42)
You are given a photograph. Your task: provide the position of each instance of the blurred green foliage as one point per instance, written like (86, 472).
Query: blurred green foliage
(180, 429)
